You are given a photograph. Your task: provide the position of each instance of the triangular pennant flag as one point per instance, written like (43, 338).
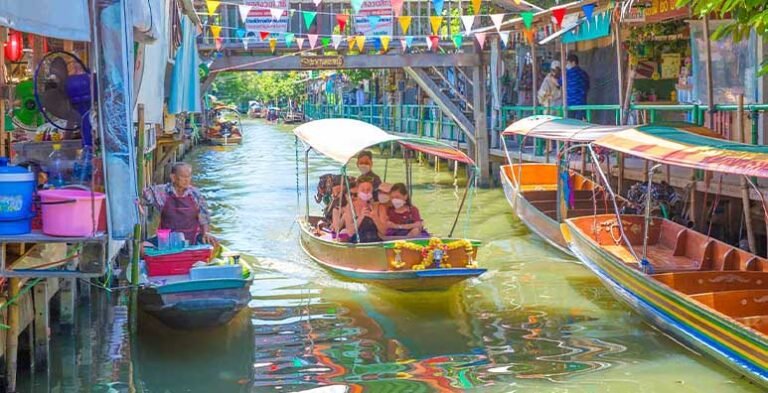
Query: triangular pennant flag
(272, 44)
(341, 20)
(397, 7)
(264, 35)
(300, 42)
(409, 41)
(405, 23)
(558, 14)
(497, 19)
(309, 17)
(218, 43)
(504, 37)
(480, 39)
(588, 10)
(312, 40)
(326, 41)
(277, 13)
(215, 31)
(404, 44)
(245, 44)
(517, 2)
(428, 39)
(385, 42)
(458, 39)
(476, 6)
(351, 42)
(529, 35)
(317, 2)
(289, 37)
(468, 21)
(356, 5)
(435, 42)
(360, 42)
(438, 6)
(240, 33)
(376, 44)
(336, 41)
(373, 20)
(527, 18)
(436, 22)
(244, 11)
(212, 6)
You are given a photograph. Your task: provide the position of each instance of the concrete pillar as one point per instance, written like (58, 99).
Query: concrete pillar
(480, 150)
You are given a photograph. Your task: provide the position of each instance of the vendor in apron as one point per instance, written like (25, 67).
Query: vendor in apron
(182, 207)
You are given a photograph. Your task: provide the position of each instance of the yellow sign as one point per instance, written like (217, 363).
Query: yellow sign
(320, 62)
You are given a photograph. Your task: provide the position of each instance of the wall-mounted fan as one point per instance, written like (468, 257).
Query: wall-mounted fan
(27, 116)
(62, 85)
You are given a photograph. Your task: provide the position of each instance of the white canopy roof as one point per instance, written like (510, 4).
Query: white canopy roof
(341, 139)
(67, 20)
(559, 129)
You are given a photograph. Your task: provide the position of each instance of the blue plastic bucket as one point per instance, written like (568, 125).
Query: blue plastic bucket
(17, 185)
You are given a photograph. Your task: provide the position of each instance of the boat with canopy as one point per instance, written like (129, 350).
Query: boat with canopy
(224, 126)
(427, 263)
(543, 194)
(708, 294)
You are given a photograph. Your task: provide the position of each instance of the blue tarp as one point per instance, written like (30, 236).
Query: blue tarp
(185, 79)
(597, 27)
(67, 20)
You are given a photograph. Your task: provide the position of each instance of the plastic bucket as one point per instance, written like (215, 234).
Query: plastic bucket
(71, 212)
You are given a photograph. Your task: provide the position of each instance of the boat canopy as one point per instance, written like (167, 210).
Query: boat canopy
(343, 139)
(686, 147)
(560, 129)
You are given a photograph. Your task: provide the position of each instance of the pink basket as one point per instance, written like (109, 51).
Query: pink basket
(71, 212)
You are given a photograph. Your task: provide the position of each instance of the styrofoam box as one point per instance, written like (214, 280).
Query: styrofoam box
(219, 271)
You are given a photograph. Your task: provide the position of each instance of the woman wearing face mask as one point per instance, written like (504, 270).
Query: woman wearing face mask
(365, 165)
(368, 223)
(403, 219)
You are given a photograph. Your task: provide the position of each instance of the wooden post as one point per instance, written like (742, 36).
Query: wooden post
(619, 68)
(42, 339)
(3, 38)
(67, 297)
(564, 87)
(482, 153)
(620, 180)
(12, 336)
(534, 77)
(135, 255)
(710, 87)
(745, 201)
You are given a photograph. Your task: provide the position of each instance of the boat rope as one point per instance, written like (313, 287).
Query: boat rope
(471, 192)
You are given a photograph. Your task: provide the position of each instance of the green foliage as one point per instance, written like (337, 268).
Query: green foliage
(240, 87)
(357, 75)
(746, 15)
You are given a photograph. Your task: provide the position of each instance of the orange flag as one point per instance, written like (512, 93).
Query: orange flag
(529, 35)
(476, 6)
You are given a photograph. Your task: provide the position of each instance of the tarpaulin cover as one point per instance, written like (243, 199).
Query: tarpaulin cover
(152, 89)
(559, 129)
(185, 78)
(675, 146)
(67, 20)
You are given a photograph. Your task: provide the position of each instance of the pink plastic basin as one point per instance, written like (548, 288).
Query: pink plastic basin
(71, 212)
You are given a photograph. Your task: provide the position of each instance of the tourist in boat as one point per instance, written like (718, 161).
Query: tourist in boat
(403, 219)
(383, 203)
(182, 207)
(365, 165)
(369, 225)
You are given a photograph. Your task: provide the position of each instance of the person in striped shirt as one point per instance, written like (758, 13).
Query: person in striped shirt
(577, 86)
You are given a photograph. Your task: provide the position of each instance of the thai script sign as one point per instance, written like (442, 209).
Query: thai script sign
(260, 17)
(320, 62)
(375, 18)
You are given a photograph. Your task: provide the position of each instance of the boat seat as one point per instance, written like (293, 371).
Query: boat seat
(538, 187)
(736, 304)
(757, 322)
(661, 258)
(713, 281)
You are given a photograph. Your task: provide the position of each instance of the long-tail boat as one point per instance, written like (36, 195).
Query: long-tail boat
(709, 295)
(225, 128)
(537, 192)
(404, 264)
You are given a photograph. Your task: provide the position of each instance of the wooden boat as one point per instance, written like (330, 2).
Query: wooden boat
(407, 264)
(532, 189)
(293, 117)
(707, 294)
(183, 302)
(225, 127)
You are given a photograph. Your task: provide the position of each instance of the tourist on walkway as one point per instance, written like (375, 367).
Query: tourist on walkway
(360, 96)
(577, 86)
(549, 93)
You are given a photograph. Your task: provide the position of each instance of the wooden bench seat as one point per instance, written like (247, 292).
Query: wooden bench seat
(736, 304)
(714, 281)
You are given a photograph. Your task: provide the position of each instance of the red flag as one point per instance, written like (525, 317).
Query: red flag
(435, 42)
(341, 19)
(558, 13)
(263, 35)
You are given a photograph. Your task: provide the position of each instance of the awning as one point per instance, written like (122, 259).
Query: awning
(66, 20)
(675, 146)
(343, 139)
(559, 129)
(562, 31)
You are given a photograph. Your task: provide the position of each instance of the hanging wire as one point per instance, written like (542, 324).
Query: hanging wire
(472, 191)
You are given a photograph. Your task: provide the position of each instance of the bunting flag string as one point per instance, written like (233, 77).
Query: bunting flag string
(264, 35)
(212, 5)
(341, 20)
(468, 21)
(588, 10)
(360, 42)
(317, 2)
(428, 40)
(404, 44)
(244, 11)
(458, 39)
(215, 31)
(272, 44)
(438, 4)
(529, 35)
(476, 6)
(218, 43)
(326, 41)
(373, 21)
(336, 41)
(356, 5)
(289, 39)
(527, 19)
(409, 41)
(435, 22)
(384, 39)
(312, 40)
(558, 14)
(300, 43)
(376, 44)
(435, 42)
(497, 19)
(351, 40)
(397, 7)
(405, 23)
(504, 35)
(277, 13)
(480, 39)
(309, 17)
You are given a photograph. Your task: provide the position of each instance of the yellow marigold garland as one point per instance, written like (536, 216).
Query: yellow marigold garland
(428, 252)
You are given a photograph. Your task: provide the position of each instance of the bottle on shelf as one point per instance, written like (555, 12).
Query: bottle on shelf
(56, 167)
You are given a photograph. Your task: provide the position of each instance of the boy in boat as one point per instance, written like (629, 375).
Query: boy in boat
(182, 207)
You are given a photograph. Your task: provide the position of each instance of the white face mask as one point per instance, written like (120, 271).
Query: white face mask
(568, 66)
(364, 168)
(383, 198)
(365, 196)
(398, 203)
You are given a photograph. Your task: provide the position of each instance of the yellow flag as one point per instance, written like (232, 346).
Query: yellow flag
(272, 44)
(517, 2)
(360, 42)
(476, 6)
(385, 42)
(405, 23)
(212, 6)
(436, 22)
(215, 30)
(351, 42)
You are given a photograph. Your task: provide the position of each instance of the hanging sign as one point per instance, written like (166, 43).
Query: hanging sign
(661, 10)
(264, 15)
(321, 62)
(375, 18)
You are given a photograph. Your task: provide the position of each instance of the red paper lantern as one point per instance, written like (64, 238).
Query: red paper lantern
(14, 48)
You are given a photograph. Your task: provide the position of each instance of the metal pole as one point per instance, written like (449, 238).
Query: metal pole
(306, 184)
(745, 200)
(349, 200)
(710, 87)
(535, 76)
(564, 85)
(644, 264)
(619, 69)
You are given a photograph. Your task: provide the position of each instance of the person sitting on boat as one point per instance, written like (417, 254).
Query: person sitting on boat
(384, 202)
(182, 207)
(365, 165)
(403, 219)
(369, 224)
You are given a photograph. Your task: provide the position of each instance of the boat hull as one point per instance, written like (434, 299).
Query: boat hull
(701, 329)
(196, 304)
(370, 263)
(232, 141)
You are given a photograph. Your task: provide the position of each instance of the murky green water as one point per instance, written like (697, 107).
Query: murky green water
(535, 322)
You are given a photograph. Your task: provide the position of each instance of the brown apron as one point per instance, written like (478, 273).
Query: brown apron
(180, 214)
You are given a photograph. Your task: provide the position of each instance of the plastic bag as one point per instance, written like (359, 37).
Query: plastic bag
(146, 20)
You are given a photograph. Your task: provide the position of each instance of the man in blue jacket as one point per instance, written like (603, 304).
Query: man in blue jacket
(576, 87)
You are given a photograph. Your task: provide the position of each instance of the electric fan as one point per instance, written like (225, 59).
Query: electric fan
(62, 85)
(26, 117)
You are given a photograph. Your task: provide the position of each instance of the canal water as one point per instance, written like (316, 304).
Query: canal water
(535, 322)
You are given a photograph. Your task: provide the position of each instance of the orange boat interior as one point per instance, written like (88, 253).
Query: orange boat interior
(538, 185)
(722, 277)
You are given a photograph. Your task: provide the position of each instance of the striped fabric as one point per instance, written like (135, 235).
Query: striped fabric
(577, 86)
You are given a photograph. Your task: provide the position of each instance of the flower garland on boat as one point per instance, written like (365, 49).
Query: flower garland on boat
(428, 257)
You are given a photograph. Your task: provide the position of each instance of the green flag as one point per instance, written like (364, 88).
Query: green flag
(458, 39)
(326, 41)
(309, 17)
(527, 19)
(289, 37)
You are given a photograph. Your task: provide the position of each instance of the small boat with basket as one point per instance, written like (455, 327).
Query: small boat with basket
(224, 126)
